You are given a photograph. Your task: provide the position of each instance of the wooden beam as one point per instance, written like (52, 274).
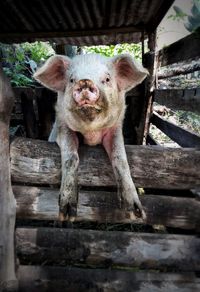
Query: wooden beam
(181, 70)
(150, 140)
(38, 162)
(181, 136)
(179, 99)
(42, 204)
(47, 35)
(34, 279)
(182, 50)
(107, 249)
(8, 279)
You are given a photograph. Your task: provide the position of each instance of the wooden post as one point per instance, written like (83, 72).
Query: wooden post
(8, 281)
(149, 61)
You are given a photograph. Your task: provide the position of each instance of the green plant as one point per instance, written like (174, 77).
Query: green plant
(193, 20)
(112, 50)
(20, 61)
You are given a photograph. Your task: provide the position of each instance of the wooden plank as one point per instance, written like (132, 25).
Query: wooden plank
(181, 136)
(98, 206)
(181, 70)
(46, 112)
(46, 35)
(182, 50)
(38, 162)
(150, 140)
(107, 249)
(29, 116)
(56, 279)
(7, 201)
(179, 99)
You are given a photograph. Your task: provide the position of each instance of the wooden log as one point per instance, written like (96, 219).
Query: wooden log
(38, 162)
(107, 249)
(8, 279)
(181, 70)
(181, 136)
(42, 204)
(56, 279)
(182, 50)
(179, 99)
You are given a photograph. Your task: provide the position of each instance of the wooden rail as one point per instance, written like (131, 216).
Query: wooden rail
(34, 279)
(181, 136)
(107, 249)
(179, 99)
(38, 162)
(101, 206)
(182, 50)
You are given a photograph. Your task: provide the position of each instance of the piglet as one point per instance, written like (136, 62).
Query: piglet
(91, 100)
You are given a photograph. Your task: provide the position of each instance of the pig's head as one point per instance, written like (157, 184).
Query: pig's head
(91, 87)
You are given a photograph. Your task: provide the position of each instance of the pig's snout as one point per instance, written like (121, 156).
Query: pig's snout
(85, 92)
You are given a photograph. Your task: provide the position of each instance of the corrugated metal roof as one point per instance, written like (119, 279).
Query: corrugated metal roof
(79, 22)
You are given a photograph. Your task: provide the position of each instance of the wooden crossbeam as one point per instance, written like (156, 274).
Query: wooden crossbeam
(181, 136)
(99, 206)
(182, 50)
(179, 99)
(107, 249)
(34, 279)
(38, 162)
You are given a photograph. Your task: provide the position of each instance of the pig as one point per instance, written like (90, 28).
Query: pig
(91, 100)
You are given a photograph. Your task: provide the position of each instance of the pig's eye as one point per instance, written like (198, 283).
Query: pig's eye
(72, 80)
(106, 80)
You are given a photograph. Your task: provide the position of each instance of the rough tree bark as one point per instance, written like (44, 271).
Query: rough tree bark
(8, 281)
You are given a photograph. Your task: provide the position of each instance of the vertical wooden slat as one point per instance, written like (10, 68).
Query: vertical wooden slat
(8, 281)
(149, 61)
(29, 117)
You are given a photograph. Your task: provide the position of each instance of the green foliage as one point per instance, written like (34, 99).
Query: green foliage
(179, 14)
(193, 20)
(112, 50)
(20, 61)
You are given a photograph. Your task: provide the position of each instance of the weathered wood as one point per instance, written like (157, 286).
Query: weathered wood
(56, 279)
(42, 204)
(38, 162)
(107, 249)
(65, 35)
(179, 99)
(46, 113)
(29, 116)
(150, 140)
(149, 61)
(8, 279)
(182, 50)
(181, 70)
(181, 136)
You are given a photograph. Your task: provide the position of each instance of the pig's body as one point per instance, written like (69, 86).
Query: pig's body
(91, 101)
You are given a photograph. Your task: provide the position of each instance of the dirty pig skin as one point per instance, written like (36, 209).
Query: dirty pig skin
(91, 100)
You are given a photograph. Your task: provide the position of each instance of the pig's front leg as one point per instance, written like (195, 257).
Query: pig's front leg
(114, 144)
(68, 143)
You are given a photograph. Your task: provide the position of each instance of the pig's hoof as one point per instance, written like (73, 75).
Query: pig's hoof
(135, 209)
(139, 212)
(67, 210)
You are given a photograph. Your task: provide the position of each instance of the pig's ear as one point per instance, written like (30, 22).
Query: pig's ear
(129, 72)
(53, 73)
